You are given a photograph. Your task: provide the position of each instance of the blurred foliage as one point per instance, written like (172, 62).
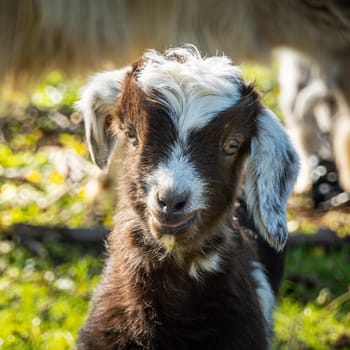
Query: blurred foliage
(45, 174)
(46, 178)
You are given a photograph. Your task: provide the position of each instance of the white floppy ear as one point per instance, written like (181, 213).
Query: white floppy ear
(96, 103)
(272, 169)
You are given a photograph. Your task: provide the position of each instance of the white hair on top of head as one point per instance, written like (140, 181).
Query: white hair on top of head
(192, 88)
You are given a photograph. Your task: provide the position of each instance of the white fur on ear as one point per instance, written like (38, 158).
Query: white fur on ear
(96, 103)
(272, 169)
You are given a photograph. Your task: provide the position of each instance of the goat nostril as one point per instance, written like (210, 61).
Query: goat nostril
(161, 203)
(180, 205)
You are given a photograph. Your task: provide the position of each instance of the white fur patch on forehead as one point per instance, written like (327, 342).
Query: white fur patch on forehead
(193, 89)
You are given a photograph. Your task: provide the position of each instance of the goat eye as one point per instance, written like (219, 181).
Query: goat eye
(131, 133)
(231, 146)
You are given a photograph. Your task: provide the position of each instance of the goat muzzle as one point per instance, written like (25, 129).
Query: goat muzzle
(172, 202)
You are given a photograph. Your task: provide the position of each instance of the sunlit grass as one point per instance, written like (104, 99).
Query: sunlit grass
(314, 309)
(43, 302)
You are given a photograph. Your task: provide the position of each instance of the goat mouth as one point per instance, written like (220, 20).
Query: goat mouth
(173, 228)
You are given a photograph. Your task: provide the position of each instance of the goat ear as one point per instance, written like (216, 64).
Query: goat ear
(96, 103)
(272, 168)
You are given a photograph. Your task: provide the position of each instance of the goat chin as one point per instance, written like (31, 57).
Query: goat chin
(181, 273)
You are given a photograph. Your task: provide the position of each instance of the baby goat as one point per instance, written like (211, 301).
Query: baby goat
(181, 274)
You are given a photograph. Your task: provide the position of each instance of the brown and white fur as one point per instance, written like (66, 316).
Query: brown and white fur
(180, 273)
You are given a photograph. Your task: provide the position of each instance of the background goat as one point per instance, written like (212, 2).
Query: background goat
(181, 274)
(318, 124)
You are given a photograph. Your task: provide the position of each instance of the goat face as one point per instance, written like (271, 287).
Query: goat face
(186, 126)
(184, 150)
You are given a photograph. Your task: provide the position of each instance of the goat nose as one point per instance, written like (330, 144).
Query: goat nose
(172, 202)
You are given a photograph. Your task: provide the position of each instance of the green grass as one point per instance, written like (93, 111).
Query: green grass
(314, 308)
(44, 300)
